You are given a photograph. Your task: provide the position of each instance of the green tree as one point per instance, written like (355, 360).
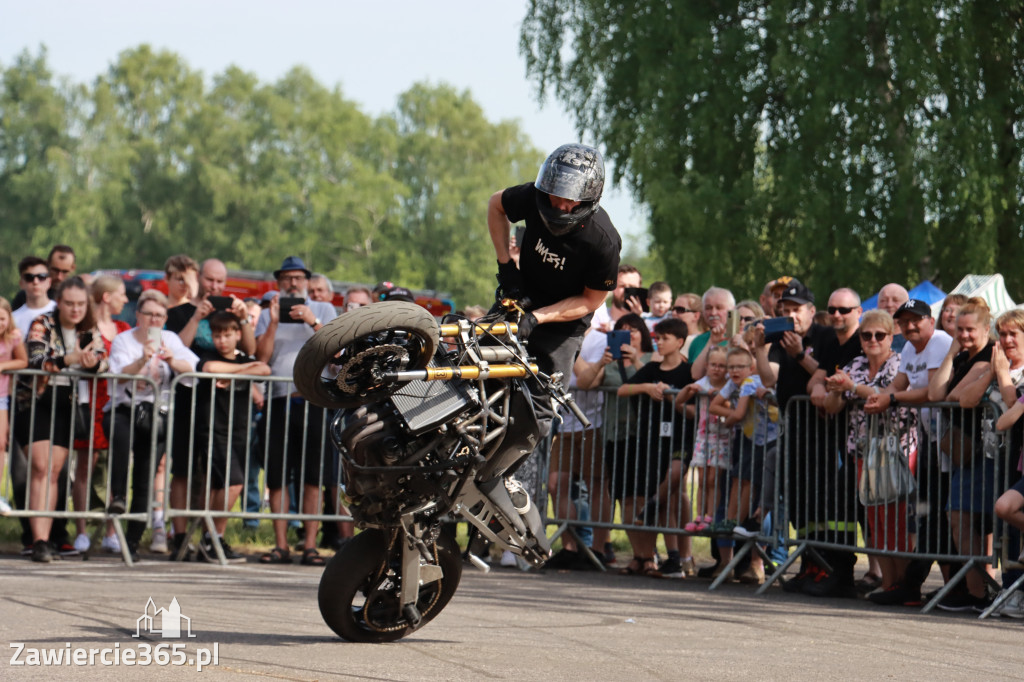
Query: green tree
(452, 159)
(847, 143)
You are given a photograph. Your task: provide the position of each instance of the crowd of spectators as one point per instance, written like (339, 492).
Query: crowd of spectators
(687, 406)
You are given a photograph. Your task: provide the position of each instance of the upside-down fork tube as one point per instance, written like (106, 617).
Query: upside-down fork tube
(462, 372)
(497, 329)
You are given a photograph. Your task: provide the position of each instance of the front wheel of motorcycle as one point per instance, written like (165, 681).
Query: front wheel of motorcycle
(360, 589)
(358, 348)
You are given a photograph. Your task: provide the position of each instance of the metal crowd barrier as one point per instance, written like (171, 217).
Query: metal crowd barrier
(635, 465)
(68, 409)
(814, 501)
(194, 432)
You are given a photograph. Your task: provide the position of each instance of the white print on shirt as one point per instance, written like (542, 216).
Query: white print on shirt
(548, 256)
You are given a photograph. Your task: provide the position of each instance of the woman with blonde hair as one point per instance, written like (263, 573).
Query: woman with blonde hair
(964, 377)
(108, 299)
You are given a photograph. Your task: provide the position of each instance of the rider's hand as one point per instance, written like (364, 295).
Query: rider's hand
(510, 279)
(526, 324)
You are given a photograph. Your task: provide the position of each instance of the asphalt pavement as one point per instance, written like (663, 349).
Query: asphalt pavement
(263, 623)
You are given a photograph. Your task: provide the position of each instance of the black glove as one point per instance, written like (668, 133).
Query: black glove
(527, 323)
(510, 280)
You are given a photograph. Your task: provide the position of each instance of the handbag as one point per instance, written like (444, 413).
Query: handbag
(885, 476)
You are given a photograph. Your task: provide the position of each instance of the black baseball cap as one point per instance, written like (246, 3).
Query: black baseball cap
(914, 306)
(797, 293)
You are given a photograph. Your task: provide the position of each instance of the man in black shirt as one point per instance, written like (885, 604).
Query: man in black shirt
(818, 487)
(568, 262)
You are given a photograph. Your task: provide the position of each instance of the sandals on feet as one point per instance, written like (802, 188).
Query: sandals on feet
(311, 557)
(641, 566)
(276, 556)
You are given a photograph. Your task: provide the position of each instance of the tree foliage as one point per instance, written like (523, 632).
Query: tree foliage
(153, 159)
(851, 142)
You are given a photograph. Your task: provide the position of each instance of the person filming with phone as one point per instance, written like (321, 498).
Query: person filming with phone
(138, 411)
(189, 320)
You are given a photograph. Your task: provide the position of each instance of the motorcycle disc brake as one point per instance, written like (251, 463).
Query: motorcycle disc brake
(369, 365)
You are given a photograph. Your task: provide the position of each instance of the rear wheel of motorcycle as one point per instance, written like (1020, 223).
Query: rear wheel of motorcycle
(364, 342)
(359, 596)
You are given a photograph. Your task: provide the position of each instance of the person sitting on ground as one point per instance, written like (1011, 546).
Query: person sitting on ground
(888, 525)
(746, 404)
(137, 412)
(659, 433)
(64, 340)
(711, 446)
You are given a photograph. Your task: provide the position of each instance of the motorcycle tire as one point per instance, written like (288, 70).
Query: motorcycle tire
(391, 335)
(359, 568)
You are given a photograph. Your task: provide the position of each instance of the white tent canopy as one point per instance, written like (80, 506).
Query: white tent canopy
(991, 288)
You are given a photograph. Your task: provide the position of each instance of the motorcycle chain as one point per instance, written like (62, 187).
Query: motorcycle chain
(360, 358)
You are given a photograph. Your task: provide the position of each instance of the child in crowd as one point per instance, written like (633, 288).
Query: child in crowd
(12, 356)
(743, 404)
(223, 441)
(711, 446)
(660, 440)
(659, 302)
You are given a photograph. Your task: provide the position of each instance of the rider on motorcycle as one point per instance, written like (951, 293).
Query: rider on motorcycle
(569, 260)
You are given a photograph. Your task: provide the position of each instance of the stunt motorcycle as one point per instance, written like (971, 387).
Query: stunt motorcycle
(433, 419)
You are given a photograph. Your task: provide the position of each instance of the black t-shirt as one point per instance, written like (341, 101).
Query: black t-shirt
(793, 377)
(838, 355)
(659, 421)
(224, 418)
(178, 318)
(968, 419)
(556, 268)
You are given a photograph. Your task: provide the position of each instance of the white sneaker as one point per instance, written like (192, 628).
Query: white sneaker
(82, 542)
(508, 559)
(111, 544)
(516, 491)
(159, 543)
(5, 507)
(1012, 607)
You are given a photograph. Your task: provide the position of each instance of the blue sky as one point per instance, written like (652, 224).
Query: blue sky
(374, 50)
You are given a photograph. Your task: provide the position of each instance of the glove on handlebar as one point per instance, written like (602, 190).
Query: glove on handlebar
(510, 279)
(527, 323)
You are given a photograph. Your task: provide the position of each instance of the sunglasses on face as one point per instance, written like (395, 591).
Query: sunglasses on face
(878, 336)
(747, 319)
(34, 277)
(680, 310)
(842, 310)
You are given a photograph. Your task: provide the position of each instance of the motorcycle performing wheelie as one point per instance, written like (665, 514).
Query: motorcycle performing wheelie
(433, 420)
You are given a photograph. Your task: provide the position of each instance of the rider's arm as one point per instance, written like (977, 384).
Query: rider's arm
(572, 308)
(499, 227)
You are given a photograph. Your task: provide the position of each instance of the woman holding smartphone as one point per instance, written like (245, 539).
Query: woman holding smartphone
(61, 341)
(139, 412)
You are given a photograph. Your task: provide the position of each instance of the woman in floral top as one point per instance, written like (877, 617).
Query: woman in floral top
(865, 376)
